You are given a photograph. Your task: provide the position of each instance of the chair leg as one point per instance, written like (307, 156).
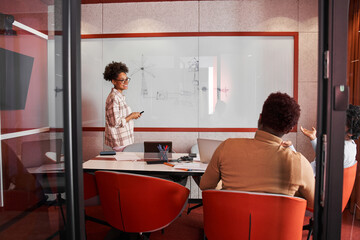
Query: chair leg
(145, 236)
(99, 221)
(310, 233)
(23, 214)
(309, 227)
(59, 203)
(205, 238)
(194, 207)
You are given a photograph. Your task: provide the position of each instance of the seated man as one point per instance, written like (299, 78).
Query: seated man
(262, 164)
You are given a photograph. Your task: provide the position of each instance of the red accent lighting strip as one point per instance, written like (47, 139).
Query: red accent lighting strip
(187, 34)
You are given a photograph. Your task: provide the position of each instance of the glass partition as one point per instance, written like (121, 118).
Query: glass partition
(32, 143)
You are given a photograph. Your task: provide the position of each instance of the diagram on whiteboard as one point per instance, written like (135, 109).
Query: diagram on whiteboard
(194, 67)
(143, 68)
(152, 80)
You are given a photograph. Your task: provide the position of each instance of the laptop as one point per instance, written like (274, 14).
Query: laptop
(207, 148)
(152, 154)
(152, 147)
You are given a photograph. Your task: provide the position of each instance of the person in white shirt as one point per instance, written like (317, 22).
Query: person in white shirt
(352, 132)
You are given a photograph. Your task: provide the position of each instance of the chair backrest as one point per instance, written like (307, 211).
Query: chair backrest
(136, 203)
(26, 190)
(135, 147)
(248, 215)
(348, 183)
(90, 189)
(194, 149)
(33, 152)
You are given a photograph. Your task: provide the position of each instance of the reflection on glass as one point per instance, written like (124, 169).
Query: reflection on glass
(31, 152)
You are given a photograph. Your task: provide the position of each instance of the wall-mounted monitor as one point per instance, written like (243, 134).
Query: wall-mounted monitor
(15, 73)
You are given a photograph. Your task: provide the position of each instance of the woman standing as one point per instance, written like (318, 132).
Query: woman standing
(119, 124)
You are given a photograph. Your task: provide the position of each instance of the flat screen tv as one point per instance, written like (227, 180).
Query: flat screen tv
(15, 73)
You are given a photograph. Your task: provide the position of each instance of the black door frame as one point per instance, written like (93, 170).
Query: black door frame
(75, 226)
(333, 29)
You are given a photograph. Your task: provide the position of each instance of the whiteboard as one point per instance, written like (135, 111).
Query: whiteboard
(189, 82)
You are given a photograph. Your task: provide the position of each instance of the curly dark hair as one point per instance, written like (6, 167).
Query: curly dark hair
(113, 69)
(280, 112)
(353, 121)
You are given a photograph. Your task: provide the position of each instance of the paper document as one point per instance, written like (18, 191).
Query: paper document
(191, 166)
(178, 155)
(127, 156)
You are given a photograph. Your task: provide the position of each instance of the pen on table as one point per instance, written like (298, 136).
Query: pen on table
(184, 169)
(169, 164)
(172, 165)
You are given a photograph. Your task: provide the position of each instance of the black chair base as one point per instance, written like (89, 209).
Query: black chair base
(309, 227)
(194, 207)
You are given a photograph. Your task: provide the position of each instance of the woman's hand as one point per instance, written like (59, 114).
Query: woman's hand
(133, 115)
(309, 133)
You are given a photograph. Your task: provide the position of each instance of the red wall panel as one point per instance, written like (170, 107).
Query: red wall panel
(33, 14)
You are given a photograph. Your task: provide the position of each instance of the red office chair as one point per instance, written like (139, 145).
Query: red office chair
(93, 211)
(139, 204)
(90, 189)
(348, 184)
(249, 215)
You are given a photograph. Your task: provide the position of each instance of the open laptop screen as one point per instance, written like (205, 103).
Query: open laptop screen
(152, 154)
(151, 147)
(207, 148)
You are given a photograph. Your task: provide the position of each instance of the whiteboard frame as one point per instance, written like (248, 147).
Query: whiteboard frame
(295, 36)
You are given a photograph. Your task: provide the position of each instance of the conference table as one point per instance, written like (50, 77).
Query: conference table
(134, 162)
(140, 163)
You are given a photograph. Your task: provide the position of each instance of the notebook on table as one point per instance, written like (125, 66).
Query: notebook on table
(207, 148)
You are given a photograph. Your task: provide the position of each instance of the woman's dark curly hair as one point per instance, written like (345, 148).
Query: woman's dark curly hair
(353, 121)
(113, 69)
(280, 112)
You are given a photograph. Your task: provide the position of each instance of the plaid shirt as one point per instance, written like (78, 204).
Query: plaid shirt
(118, 132)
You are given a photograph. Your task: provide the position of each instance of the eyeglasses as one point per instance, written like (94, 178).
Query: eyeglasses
(122, 80)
